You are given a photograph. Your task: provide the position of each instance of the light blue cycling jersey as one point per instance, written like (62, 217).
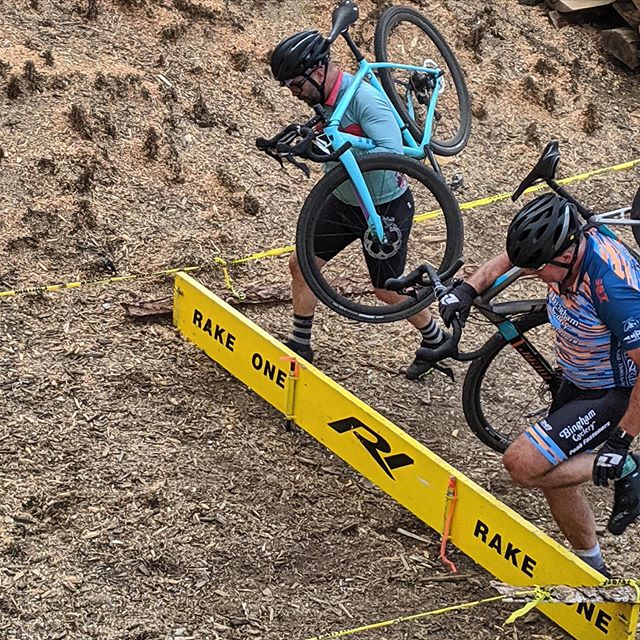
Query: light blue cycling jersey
(597, 323)
(368, 115)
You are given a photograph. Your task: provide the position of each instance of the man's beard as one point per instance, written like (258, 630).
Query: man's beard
(311, 100)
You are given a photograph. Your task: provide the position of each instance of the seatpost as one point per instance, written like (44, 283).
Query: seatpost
(565, 194)
(352, 45)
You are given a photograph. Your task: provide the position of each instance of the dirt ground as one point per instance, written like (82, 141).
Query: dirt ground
(144, 494)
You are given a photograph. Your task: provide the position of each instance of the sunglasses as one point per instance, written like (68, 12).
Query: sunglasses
(555, 263)
(294, 84)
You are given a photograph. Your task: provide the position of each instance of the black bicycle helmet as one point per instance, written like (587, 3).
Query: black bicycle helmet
(298, 53)
(542, 230)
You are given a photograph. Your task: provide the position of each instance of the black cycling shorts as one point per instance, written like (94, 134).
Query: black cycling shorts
(341, 224)
(578, 420)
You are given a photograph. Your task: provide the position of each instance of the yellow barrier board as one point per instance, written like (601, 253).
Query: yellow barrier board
(483, 528)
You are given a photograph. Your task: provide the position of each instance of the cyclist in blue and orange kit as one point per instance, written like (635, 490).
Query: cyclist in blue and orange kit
(593, 305)
(302, 63)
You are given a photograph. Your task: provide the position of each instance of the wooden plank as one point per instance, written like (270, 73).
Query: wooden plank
(623, 44)
(629, 11)
(570, 6)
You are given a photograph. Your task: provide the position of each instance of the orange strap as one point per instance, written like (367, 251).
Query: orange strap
(452, 498)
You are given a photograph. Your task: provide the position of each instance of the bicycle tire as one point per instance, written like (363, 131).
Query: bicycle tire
(486, 429)
(635, 215)
(388, 21)
(318, 278)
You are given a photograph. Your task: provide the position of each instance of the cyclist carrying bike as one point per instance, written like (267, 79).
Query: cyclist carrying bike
(302, 63)
(593, 304)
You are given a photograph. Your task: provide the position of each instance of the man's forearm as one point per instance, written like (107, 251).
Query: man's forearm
(489, 271)
(630, 421)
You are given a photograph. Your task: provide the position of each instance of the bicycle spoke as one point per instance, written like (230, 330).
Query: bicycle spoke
(405, 36)
(358, 259)
(354, 270)
(408, 44)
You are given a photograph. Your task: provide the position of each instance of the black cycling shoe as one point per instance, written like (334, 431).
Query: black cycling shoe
(626, 500)
(604, 570)
(303, 350)
(420, 367)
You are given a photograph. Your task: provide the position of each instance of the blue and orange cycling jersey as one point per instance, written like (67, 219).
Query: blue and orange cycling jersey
(598, 322)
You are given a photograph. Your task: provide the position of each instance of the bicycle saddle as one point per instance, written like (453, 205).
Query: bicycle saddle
(545, 169)
(343, 16)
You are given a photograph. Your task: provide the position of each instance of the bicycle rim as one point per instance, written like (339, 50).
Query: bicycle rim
(405, 36)
(431, 231)
(502, 394)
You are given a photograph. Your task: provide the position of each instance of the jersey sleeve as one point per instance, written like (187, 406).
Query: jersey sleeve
(377, 120)
(617, 303)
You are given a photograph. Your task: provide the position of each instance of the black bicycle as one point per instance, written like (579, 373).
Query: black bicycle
(504, 387)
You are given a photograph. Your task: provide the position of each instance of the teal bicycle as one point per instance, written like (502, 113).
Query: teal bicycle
(430, 103)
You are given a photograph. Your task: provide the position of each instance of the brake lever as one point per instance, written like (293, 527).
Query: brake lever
(449, 348)
(299, 165)
(273, 155)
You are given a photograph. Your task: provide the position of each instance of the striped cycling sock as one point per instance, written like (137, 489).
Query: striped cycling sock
(432, 334)
(593, 557)
(301, 332)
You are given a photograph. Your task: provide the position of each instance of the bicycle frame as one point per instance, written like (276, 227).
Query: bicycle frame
(616, 217)
(500, 314)
(620, 218)
(411, 148)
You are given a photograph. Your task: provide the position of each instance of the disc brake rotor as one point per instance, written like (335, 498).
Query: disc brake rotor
(383, 250)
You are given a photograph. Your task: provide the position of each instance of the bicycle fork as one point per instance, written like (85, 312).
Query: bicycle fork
(374, 221)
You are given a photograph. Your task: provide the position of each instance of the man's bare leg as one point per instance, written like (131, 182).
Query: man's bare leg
(304, 304)
(561, 486)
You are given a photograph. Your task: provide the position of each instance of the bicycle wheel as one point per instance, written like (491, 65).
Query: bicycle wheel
(430, 231)
(502, 394)
(635, 215)
(405, 36)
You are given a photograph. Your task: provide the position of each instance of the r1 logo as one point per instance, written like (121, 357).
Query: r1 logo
(375, 447)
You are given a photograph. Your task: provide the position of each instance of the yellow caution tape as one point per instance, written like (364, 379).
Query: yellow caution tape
(270, 253)
(227, 278)
(482, 202)
(278, 251)
(625, 582)
(49, 288)
(540, 596)
(424, 614)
